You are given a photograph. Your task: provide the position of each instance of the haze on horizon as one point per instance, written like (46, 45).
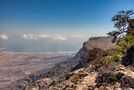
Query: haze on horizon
(55, 25)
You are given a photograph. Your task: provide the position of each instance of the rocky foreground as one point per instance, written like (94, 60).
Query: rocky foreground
(96, 78)
(85, 71)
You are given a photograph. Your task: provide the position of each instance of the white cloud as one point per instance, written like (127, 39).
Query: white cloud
(34, 37)
(60, 37)
(29, 37)
(75, 36)
(3, 37)
(43, 36)
(24, 35)
(79, 35)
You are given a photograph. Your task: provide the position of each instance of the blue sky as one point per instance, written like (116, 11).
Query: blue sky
(64, 20)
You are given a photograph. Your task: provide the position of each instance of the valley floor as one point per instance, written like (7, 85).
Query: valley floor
(14, 66)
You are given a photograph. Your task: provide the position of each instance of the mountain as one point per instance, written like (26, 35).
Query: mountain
(85, 71)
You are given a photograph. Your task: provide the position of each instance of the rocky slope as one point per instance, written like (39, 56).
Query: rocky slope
(81, 73)
(98, 76)
(117, 78)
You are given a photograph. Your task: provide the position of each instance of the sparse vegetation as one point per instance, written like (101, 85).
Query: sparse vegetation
(115, 55)
(122, 36)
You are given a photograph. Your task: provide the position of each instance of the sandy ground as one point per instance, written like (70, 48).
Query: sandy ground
(14, 66)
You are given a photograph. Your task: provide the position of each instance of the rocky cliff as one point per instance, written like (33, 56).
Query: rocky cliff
(87, 51)
(98, 76)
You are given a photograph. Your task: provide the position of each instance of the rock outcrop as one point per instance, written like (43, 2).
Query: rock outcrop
(93, 46)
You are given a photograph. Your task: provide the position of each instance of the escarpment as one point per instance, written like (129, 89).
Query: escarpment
(81, 73)
(102, 43)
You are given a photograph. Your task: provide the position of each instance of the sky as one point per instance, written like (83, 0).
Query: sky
(55, 25)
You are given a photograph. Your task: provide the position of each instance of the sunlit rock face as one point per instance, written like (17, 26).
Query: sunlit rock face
(102, 43)
(99, 42)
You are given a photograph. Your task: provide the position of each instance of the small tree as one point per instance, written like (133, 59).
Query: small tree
(121, 36)
(120, 23)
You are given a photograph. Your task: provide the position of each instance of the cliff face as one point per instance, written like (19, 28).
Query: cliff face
(86, 51)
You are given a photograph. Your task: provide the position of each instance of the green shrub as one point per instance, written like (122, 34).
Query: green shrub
(115, 55)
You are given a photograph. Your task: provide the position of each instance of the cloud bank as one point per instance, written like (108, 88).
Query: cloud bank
(43, 36)
(41, 42)
(49, 36)
(3, 37)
